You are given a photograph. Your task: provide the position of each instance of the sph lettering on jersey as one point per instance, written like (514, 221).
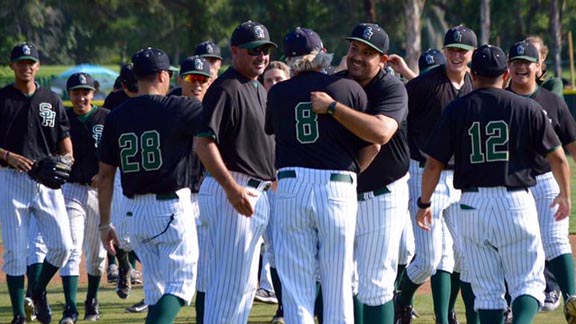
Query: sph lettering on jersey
(47, 114)
(97, 133)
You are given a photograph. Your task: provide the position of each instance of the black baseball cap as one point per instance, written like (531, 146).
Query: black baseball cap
(250, 35)
(430, 59)
(150, 60)
(80, 80)
(195, 65)
(523, 51)
(127, 75)
(25, 51)
(489, 61)
(460, 37)
(371, 35)
(302, 41)
(208, 49)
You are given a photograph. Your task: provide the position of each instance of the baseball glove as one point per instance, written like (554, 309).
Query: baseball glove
(52, 171)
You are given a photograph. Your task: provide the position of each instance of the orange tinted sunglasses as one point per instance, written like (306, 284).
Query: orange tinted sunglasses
(191, 78)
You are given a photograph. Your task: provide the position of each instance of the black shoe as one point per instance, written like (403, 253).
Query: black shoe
(69, 316)
(91, 311)
(19, 319)
(402, 314)
(124, 285)
(139, 307)
(42, 308)
(508, 316)
(452, 318)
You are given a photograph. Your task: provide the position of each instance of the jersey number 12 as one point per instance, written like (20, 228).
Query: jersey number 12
(148, 145)
(496, 134)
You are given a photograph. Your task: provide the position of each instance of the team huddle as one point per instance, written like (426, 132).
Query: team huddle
(365, 182)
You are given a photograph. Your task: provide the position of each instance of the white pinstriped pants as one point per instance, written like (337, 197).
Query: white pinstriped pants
(20, 199)
(314, 215)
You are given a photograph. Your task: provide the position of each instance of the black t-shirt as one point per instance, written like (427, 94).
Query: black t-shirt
(387, 96)
(494, 136)
(114, 99)
(428, 95)
(305, 139)
(234, 113)
(86, 132)
(150, 137)
(561, 119)
(32, 126)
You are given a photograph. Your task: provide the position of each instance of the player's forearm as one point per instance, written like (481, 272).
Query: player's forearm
(430, 178)
(571, 148)
(105, 192)
(377, 129)
(367, 155)
(210, 156)
(65, 146)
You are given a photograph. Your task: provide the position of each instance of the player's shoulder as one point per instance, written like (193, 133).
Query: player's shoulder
(430, 78)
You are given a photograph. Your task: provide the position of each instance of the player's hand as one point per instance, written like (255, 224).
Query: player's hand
(240, 198)
(320, 101)
(95, 181)
(397, 63)
(564, 206)
(19, 162)
(424, 218)
(109, 238)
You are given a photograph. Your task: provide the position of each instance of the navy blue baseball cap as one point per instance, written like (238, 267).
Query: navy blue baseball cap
(127, 75)
(80, 80)
(251, 35)
(150, 60)
(460, 37)
(430, 59)
(523, 51)
(208, 49)
(489, 61)
(371, 35)
(24, 51)
(302, 41)
(195, 65)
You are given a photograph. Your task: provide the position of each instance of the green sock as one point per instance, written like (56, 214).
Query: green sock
(199, 305)
(468, 297)
(111, 259)
(440, 283)
(165, 310)
(491, 316)
(133, 258)
(399, 273)
(563, 269)
(16, 291)
(93, 286)
(70, 285)
(33, 273)
(407, 290)
(319, 304)
(381, 314)
(358, 310)
(48, 271)
(454, 290)
(524, 309)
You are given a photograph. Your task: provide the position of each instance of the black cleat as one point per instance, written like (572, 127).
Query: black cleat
(69, 316)
(124, 285)
(402, 314)
(19, 319)
(91, 310)
(42, 308)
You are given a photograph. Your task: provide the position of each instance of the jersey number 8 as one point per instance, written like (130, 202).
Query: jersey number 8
(306, 123)
(148, 145)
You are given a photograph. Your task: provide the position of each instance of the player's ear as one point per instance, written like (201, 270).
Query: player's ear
(383, 59)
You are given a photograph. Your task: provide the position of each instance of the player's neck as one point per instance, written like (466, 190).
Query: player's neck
(456, 78)
(523, 89)
(27, 87)
(150, 89)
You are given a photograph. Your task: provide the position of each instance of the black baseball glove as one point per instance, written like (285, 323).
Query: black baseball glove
(52, 171)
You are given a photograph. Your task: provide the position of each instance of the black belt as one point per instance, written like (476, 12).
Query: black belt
(362, 196)
(163, 196)
(509, 189)
(254, 183)
(336, 177)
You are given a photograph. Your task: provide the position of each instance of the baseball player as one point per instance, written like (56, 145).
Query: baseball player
(239, 158)
(150, 138)
(211, 52)
(129, 88)
(544, 78)
(428, 94)
(86, 125)
(33, 125)
(317, 159)
(523, 63)
(494, 137)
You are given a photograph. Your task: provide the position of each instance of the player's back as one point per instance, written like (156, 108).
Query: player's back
(306, 139)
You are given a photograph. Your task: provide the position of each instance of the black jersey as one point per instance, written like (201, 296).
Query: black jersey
(428, 95)
(561, 119)
(114, 99)
(305, 139)
(86, 133)
(234, 113)
(150, 137)
(387, 96)
(32, 126)
(494, 136)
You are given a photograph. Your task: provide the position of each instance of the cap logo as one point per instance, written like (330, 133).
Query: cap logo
(458, 36)
(209, 48)
(259, 31)
(198, 65)
(367, 33)
(26, 49)
(520, 49)
(429, 59)
(82, 79)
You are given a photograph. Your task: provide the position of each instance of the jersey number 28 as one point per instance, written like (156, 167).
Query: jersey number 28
(148, 145)
(496, 134)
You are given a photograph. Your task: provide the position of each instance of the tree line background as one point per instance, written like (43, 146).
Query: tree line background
(110, 31)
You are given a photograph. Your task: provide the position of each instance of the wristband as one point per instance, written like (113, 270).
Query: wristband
(332, 108)
(104, 227)
(422, 205)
